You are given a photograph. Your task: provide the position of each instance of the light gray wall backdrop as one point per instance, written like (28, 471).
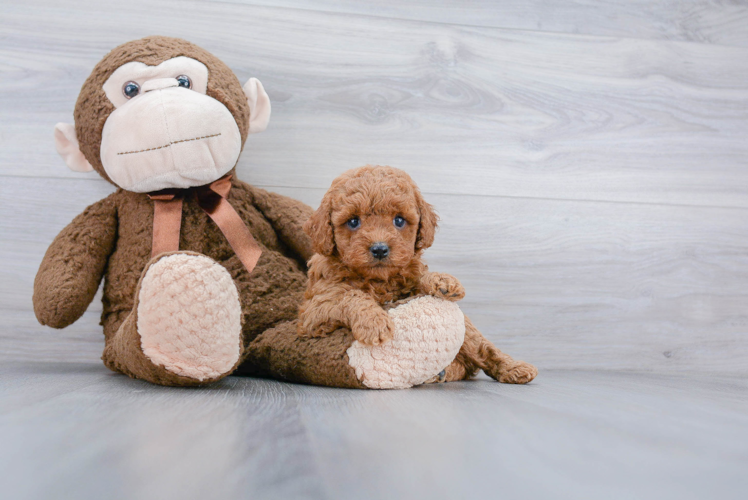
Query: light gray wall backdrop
(589, 160)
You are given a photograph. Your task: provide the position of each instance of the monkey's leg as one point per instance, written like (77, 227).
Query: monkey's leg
(185, 325)
(428, 334)
(281, 353)
(478, 353)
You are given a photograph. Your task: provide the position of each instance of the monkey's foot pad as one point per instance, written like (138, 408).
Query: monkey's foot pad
(428, 335)
(189, 316)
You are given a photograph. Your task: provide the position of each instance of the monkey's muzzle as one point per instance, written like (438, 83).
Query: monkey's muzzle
(169, 138)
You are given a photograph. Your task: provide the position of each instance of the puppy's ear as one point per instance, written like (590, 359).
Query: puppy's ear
(426, 224)
(319, 228)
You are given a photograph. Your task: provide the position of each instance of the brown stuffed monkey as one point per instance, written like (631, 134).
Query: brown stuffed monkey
(203, 274)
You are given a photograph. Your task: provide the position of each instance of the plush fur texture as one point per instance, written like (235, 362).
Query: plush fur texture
(428, 335)
(112, 239)
(93, 107)
(280, 353)
(189, 316)
(348, 284)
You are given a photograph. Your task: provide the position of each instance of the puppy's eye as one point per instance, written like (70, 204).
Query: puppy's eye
(130, 89)
(353, 223)
(399, 222)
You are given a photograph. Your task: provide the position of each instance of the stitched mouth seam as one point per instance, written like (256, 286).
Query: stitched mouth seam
(170, 144)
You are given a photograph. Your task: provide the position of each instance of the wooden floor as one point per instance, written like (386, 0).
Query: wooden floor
(75, 430)
(589, 160)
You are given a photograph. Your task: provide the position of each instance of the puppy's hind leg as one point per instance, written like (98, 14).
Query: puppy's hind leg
(459, 369)
(478, 353)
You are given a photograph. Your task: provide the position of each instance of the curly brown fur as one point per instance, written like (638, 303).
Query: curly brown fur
(349, 284)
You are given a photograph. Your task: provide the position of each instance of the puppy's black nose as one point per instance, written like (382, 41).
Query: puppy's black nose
(379, 250)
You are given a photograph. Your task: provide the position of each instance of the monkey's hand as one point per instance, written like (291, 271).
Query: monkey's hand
(444, 286)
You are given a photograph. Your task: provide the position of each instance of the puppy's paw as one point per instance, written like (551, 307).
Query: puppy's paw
(375, 329)
(517, 373)
(444, 286)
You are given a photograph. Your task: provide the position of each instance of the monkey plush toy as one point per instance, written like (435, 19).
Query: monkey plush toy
(203, 274)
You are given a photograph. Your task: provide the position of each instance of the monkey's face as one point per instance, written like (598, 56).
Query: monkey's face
(165, 131)
(161, 113)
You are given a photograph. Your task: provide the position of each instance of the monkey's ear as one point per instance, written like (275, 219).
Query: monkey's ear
(259, 105)
(319, 228)
(67, 146)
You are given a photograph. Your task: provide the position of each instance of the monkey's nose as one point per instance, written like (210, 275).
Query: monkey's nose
(159, 83)
(379, 250)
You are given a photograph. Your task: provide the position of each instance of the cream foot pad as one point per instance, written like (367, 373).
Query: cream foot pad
(189, 317)
(428, 335)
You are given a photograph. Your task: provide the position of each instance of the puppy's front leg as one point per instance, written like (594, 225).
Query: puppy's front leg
(369, 323)
(354, 309)
(442, 285)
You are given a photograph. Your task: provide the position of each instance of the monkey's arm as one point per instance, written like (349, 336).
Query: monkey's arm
(72, 268)
(287, 216)
(332, 308)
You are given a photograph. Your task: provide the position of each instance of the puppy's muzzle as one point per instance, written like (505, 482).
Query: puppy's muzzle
(379, 250)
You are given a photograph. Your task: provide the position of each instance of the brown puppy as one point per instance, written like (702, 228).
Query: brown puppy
(369, 234)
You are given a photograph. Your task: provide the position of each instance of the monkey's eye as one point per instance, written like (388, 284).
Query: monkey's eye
(353, 223)
(130, 89)
(399, 222)
(184, 81)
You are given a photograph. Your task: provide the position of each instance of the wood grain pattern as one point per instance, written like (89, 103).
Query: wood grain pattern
(589, 159)
(79, 431)
(702, 21)
(467, 110)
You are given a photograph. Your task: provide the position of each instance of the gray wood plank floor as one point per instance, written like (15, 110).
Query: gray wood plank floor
(78, 431)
